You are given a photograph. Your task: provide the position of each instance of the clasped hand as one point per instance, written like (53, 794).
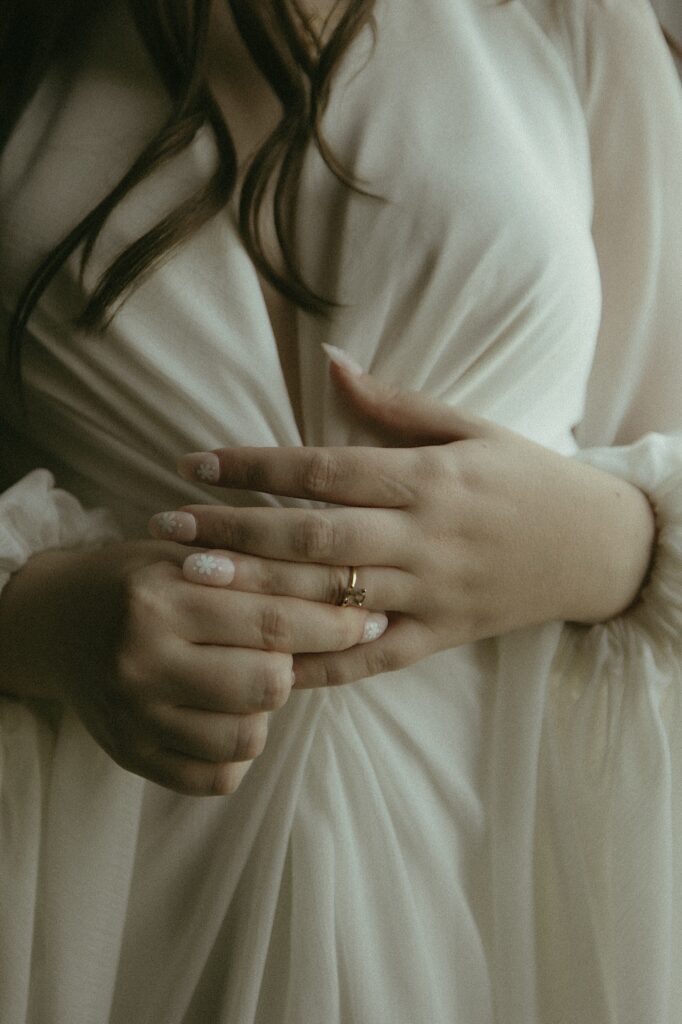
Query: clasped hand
(460, 530)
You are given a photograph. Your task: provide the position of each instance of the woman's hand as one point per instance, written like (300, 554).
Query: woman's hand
(174, 681)
(470, 532)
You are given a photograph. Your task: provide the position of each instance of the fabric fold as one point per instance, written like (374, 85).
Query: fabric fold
(609, 810)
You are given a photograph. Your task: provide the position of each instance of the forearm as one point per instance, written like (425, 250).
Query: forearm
(44, 530)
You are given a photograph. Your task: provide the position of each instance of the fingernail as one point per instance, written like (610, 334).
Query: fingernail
(375, 626)
(214, 570)
(201, 466)
(179, 526)
(336, 355)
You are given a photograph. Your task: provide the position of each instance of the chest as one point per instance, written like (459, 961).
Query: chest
(252, 112)
(474, 271)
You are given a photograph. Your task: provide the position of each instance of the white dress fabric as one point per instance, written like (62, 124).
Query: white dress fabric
(493, 834)
(670, 13)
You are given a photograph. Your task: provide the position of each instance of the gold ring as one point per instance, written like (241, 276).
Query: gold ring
(353, 596)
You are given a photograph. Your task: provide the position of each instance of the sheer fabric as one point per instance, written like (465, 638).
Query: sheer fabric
(492, 834)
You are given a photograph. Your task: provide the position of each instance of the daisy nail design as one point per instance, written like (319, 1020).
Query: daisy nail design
(206, 472)
(201, 466)
(214, 570)
(179, 526)
(375, 626)
(167, 522)
(205, 565)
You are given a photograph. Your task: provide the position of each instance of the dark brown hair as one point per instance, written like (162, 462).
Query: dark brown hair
(299, 65)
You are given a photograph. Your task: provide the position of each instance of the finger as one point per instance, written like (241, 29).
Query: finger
(374, 477)
(230, 680)
(407, 417)
(403, 643)
(190, 776)
(265, 623)
(209, 736)
(386, 589)
(336, 536)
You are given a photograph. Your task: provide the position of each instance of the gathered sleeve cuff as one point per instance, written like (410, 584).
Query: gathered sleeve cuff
(36, 516)
(609, 805)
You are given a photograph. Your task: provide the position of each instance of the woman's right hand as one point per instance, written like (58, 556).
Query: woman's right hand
(173, 680)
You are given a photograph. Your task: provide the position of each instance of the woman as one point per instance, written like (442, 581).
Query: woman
(478, 204)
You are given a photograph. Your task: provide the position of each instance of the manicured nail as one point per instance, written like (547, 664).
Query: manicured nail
(201, 466)
(339, 357)
(375, 626)
(214, 570)
(179, 526)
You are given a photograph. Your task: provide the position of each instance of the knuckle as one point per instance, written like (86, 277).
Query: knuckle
(225, 780)
(252, 732)
(274, 631)
(401, 491)
(319, 474)
(466, 469)
(141, 667)
(379, 660)
(145, 611)
(267, 576)
(255, 477)
(330, 673)
(276, 686)
(131, 672)
(315, 539)
(228, 531)
(429, 463)
(142, 600)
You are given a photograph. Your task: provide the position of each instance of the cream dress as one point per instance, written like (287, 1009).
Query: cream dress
(495, 833)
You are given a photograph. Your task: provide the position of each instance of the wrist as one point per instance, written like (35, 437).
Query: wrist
(622, 553)
(30, 607)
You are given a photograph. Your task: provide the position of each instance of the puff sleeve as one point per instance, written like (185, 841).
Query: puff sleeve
(632, 423)
(36, 516)
(612, 736)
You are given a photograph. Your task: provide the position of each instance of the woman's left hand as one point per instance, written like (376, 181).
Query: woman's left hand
(461, 530)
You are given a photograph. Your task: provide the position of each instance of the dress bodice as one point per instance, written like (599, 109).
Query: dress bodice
(472, 276)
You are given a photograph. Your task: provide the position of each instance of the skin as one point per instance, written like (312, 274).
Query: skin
(173, 680)
(460, 529)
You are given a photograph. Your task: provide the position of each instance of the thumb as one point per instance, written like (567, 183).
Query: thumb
(403, 417)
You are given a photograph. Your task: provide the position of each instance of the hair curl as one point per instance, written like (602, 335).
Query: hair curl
(298, 62)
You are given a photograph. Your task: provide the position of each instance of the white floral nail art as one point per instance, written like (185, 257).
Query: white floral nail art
(206, 565)
(168, 522)
(206, 472)
(373, 630)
